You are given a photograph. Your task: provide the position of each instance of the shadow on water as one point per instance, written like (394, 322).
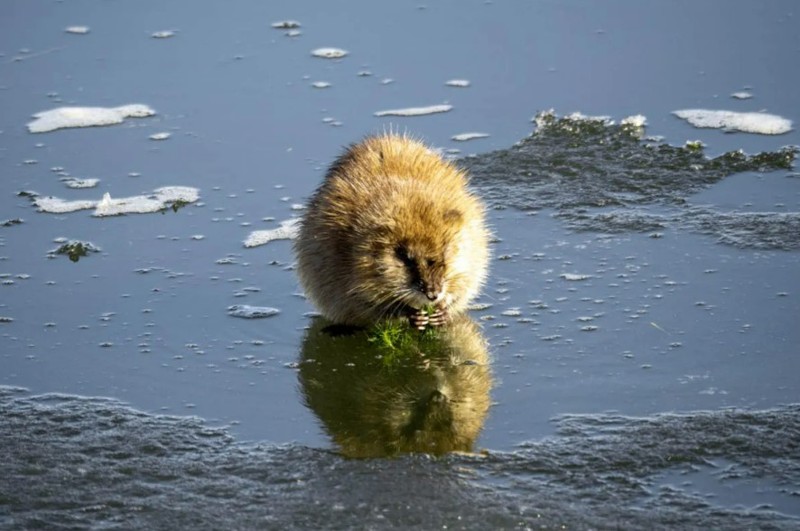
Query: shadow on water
(382, 394)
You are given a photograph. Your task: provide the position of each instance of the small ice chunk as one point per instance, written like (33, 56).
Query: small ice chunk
(574, 276)
(81, 183)
(415, 111)
(77, 30)
(462, 83)
(329, 53)
(252, 312)
(160, 136)
(463, 137)
(165, 34)
(637, 120)
(746, 122)
(742, 95)
(63, 117)
(320, 84)
(287, 231)
(286, 24)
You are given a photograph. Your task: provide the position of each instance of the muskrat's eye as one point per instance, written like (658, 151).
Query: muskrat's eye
(402, 254)
(430, 262)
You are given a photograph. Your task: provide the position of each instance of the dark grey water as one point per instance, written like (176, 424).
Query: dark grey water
(639, 290)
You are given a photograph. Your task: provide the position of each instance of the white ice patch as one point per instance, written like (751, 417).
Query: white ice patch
(54, 205)
(463, 137)
(64, 117)
(77, 30)
(329, 53)
(637, 120)
(574, 277)
(160, 136)
(462, 83)
(166, 34)
(320, 84)
(108, 206)
(742, 95)
(81, 183)
(287, 231)
(415, 111)
(252, 312)
(746, 122)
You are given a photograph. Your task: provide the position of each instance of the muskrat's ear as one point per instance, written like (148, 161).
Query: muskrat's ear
(452, 215)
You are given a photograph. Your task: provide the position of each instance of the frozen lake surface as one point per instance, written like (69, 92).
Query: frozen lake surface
(638, 336)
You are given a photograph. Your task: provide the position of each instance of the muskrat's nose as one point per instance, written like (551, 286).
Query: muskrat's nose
(431, 295)
(437, 397)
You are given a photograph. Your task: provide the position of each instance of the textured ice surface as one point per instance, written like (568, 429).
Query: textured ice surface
(287, 231)
(415, 111)
(97, 463)
(746, 122)
(601, 177)
(64, 117)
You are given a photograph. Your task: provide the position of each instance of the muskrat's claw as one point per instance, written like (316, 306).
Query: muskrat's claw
(421, 319)
(439, 317)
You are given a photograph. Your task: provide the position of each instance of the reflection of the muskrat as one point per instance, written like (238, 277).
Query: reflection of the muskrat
(432, 399)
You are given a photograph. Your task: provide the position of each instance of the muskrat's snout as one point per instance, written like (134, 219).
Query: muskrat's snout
(432, 290)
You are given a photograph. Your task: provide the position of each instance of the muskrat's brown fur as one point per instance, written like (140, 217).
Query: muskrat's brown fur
(392, 228)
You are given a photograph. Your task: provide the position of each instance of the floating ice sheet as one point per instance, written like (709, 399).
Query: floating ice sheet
(287, 231)
(64, 117)
(463, 137)
(329, 53)
(108, 206)
(746, 122)
(81, 183)
(416, 111)
(77, 30)
(461, 83)
(252, 312)
(286, 24)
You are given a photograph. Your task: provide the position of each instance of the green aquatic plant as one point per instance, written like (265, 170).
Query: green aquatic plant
(175, 205)
(75, 250)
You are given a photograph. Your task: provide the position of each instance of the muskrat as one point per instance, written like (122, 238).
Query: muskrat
(392, 231)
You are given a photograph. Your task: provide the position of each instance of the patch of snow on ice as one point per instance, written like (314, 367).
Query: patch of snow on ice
(64, 117)
(746, 122)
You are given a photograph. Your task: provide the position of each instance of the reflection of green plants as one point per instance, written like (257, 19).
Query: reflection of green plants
(398, 342)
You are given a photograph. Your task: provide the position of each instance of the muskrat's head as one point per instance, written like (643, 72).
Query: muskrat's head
(411, 253)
